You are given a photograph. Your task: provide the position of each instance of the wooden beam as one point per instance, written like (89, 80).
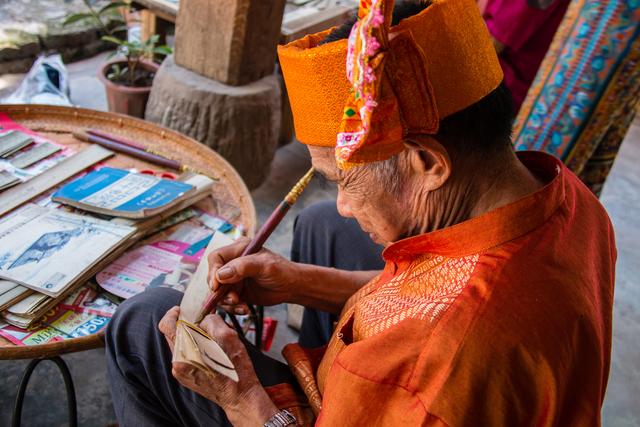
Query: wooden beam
(231, 41)
(164, 9)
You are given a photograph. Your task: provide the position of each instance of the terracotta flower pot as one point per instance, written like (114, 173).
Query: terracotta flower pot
(124, 99)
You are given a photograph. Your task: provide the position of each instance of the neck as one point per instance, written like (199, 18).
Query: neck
(474, 191)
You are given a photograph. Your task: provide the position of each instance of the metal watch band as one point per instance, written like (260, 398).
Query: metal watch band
(281, 419)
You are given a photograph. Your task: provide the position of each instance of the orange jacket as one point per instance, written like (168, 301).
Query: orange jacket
(504, 319)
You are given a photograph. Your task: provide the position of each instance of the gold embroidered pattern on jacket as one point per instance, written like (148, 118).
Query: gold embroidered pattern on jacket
(424, 291)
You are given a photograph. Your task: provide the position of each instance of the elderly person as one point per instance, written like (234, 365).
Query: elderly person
(494, 304)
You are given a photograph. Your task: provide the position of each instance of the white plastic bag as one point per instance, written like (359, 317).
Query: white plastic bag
(46, 83)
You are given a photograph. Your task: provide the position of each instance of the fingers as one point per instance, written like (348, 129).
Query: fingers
(217, 328)
(239, 309)
(231, 298)
(181, 370)
(240, 268)
(223, 334)
(192, 378)
(221, 256)
(168, 325)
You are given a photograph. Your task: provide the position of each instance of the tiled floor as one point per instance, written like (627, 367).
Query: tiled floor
(45, 404)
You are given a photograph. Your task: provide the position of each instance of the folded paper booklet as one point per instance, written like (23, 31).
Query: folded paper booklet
(34, 155)
(192, 344)
(7, 179)
(13, 141)
(117, 192)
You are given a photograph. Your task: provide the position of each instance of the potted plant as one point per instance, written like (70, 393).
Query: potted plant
(128, 77)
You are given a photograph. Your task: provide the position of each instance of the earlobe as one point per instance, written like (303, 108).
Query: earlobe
(429, 160)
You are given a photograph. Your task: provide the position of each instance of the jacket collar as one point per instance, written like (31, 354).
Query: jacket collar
(497, 226)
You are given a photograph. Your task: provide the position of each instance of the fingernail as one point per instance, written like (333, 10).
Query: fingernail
(225, 273)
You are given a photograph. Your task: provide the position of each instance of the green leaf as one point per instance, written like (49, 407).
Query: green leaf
(77, 17)
(113, 40)
(113, 5)
(152, 41)
(163, 50)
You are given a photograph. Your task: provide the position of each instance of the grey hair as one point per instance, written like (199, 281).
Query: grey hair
(387, 173)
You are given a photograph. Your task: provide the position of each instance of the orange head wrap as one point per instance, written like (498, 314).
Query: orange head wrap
(399, 80)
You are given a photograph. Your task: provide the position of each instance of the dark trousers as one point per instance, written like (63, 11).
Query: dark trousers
(139, 360)
(322, 237)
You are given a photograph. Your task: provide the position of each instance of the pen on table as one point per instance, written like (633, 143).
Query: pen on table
(263, 234)
(115, 138)
(126, 148)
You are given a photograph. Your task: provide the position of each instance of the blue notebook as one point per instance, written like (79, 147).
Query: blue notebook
(118, 192)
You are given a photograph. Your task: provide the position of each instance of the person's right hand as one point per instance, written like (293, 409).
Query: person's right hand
(264, 278)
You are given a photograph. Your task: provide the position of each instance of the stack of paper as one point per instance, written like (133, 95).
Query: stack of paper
(82, 313)
(11, 293)
(54, 252)
(47, 250)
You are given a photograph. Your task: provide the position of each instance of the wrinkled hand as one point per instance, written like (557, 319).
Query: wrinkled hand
(231, 396)
(264, 278)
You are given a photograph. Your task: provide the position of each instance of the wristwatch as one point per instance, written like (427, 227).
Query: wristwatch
(281, 419)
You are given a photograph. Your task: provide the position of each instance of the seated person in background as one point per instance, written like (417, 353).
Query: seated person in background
(522, 31)
(494, 304)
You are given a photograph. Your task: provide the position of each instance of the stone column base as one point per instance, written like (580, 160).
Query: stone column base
(242, 123)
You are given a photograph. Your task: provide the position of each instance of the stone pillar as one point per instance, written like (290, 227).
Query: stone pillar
(241, 123)
(220, 87)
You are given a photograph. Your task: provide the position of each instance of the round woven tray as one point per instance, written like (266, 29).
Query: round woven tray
(230, 197)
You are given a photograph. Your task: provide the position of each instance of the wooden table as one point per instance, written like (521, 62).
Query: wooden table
(229, 198)
(158, 16)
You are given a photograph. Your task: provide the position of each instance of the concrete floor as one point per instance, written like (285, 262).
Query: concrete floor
(45, 405)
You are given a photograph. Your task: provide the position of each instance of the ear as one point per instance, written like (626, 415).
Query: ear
(429, 160)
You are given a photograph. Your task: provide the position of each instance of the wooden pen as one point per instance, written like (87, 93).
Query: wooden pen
(129, 150)
(263, 234)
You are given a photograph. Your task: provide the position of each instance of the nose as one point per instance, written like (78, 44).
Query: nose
(343, 206)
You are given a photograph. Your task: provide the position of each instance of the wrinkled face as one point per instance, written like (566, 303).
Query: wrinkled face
(361, 196)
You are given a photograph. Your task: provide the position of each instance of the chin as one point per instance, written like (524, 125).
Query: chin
(379, 240)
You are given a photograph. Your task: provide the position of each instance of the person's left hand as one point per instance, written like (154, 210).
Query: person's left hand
(243, 401)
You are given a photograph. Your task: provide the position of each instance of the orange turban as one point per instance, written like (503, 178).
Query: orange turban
(366, 94)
